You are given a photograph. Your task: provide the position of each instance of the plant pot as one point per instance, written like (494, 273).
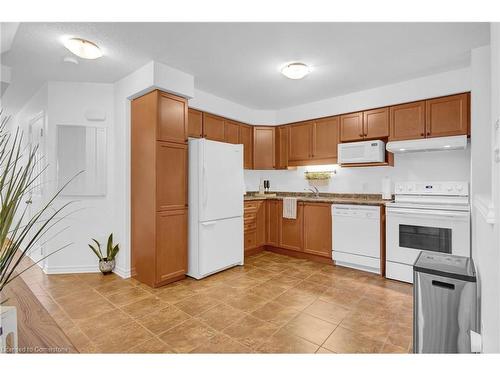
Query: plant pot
(106, 266)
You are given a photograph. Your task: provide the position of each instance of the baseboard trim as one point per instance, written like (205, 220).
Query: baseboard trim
(55, 270)
(52, 270)
(254, 250)
(300, 254)
(124, 273)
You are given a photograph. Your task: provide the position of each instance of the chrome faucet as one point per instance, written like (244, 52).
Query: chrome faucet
(314, 190)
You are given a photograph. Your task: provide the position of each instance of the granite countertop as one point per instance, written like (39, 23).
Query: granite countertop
(364, 199)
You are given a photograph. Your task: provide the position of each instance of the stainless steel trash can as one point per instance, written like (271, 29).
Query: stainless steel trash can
(444, 303)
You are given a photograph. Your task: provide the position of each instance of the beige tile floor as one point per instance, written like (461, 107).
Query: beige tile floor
(273, 304)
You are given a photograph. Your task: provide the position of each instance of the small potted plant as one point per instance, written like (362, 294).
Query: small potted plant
(106, 263)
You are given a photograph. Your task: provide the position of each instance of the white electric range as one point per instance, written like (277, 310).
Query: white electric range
(431, 216)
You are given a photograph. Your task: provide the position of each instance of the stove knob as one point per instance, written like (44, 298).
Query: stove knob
(459, 187)
(410, 188)
(449, 188)
(399, 188)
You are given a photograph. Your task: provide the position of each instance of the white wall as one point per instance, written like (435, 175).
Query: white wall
(446, 83)
(36, 107)
(486, 199)
(67, 104)
(492, 338)
(434, 166)
(481, 120)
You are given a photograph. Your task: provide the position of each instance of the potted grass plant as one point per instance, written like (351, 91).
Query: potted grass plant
(106, 263)
(21, 229)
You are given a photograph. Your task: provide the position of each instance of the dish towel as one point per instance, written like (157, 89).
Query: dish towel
(290, 208)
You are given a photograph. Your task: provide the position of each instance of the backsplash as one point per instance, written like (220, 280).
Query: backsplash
(435, 166)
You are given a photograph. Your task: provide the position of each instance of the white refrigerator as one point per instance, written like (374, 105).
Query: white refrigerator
(216, 189)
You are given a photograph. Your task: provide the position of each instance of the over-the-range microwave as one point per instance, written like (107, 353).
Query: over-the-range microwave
(361, 152)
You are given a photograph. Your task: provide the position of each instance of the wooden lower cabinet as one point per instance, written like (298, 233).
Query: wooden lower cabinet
(318, 229)
(274, 212)
(261, 224)
(291, 233)
(171, 245)
(310, 232)
(254, 224)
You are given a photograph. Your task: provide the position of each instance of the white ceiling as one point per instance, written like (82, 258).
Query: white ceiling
(241, 61)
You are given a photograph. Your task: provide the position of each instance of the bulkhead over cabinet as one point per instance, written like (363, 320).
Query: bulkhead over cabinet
(159, 162)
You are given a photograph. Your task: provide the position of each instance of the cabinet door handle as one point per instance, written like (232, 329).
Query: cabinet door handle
(360, 134)
(422, 134)
(428, 133)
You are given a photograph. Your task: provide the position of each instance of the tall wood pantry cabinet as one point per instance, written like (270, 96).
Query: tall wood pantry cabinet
(159, 206)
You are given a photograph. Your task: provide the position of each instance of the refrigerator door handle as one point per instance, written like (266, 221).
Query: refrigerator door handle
(205, 192)
(209, 223)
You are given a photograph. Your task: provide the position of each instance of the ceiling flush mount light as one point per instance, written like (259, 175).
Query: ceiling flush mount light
(295, 70)
(83, 48)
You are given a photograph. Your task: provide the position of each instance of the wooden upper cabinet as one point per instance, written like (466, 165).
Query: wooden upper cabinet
(326, 138)
(263, 147)
(351, 127)
(246, 139)
(171, 176)
(213, 127)
(376, 123)
(291, 230)
(407, 121)
(282, 147)
(195, 123)
(231, 132)
(274, 213)
(300, 141)
(318, 229)
(447, 116)
(171, 245)
(172, 114)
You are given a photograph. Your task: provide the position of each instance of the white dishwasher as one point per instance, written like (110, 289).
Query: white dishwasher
(356, 236)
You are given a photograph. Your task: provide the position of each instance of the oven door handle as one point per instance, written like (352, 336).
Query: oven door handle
(407, 212)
